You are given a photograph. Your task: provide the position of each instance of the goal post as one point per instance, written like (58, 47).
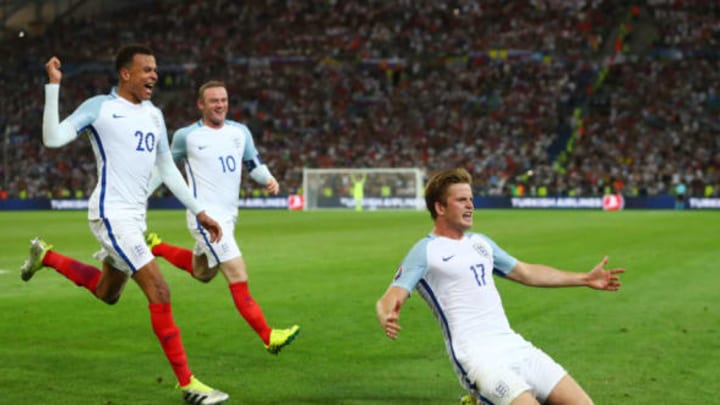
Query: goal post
(363, 189)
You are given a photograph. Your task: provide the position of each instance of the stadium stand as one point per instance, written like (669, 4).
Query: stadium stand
(533, 97)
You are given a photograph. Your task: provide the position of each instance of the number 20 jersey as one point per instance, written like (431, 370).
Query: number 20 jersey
(125, 138)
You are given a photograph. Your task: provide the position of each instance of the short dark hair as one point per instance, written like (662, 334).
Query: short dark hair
(437, 186)
(126, 54)
(208, 85)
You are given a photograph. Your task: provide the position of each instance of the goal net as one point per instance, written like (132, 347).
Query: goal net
(362, 189)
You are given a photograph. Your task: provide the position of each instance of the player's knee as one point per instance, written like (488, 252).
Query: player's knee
(205, 277)
(110, 299)
(568, 391)
(108, 296)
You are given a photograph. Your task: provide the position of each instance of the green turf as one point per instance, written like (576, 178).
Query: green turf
(655, 342)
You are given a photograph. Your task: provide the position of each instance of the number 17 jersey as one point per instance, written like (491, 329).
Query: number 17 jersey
(455, 278)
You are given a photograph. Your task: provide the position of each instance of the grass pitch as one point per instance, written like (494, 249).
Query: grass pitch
(656, 341)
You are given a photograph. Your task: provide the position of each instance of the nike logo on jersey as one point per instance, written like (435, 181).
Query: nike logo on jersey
(202, 147)
(446, 258)
(118, 116)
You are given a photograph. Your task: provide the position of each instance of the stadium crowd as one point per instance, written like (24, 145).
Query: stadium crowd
(532, 97)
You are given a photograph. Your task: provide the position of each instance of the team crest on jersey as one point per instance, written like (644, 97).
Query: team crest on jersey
(481, 250)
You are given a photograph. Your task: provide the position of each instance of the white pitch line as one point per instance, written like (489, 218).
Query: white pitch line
(4, 271)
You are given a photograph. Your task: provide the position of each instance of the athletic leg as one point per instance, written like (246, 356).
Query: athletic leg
(107, 285)
(152, 283)
(201, 270)
(177, 256)
(526, 398)
(568, 392)
(235, 272)
(111, 284)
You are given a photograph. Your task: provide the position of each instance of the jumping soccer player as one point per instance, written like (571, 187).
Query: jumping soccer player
(129, 138)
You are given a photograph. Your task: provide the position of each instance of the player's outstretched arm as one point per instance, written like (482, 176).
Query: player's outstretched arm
(388, 310)
(540, 275)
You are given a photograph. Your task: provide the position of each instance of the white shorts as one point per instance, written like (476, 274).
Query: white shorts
(122, 244)
(501, 380)
(218, 252)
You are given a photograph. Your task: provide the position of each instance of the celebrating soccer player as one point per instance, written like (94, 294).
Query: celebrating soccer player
(452, 270)
(129, 138)
(213, 150)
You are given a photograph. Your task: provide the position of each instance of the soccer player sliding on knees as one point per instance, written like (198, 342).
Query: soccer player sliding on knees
(452, 270)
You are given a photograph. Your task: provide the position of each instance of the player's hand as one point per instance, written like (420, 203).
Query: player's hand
(272, 187)
(211, 226)
(389, 321)
(601, 279)
(52, 67)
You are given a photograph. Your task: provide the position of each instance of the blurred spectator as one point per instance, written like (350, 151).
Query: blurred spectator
(489, 86)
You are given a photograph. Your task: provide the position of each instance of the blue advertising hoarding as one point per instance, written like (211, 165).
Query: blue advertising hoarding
(281, 202)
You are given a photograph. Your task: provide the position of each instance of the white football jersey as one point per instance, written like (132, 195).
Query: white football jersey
(213, 164)
(455, 278)
(126, 138)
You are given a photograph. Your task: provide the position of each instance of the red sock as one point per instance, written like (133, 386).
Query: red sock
(250, 310)
(179, 257)
(169, 336)
(83, 275)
